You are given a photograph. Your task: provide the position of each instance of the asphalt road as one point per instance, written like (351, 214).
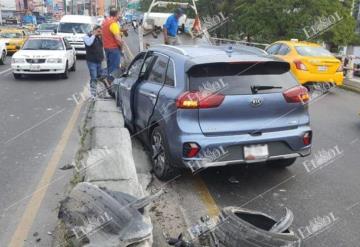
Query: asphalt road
(317, 188)
(35, 137)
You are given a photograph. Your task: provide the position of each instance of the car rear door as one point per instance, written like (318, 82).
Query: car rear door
(147, 92)
(243, 110)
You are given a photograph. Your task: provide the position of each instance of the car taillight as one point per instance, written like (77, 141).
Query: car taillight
(199, 99)
(300, 65)
(297, 94)
(190, 149)
(340, 69)
(307, 138)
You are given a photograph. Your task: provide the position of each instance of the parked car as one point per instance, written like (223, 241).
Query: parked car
(258, 113)
(310, 62)
(3, 53)
(44, 55)
(12, 20)
(14, 38)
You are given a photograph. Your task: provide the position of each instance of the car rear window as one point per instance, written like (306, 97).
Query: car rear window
(310, 51)
(237, 78)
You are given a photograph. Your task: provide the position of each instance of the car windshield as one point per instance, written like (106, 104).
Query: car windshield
(311, 51)
(47, 27)
(43, 44)
(9, 35)
(74, 28)
(238, 78)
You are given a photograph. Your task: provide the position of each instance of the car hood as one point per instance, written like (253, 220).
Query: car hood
(39, 53)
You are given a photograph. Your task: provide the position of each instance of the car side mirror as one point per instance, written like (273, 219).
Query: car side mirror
(55, 31)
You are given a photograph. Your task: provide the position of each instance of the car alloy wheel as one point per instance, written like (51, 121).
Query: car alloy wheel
(158, 153)
(162, 168)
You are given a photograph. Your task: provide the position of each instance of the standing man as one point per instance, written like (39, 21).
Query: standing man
(171, 27)
(111, 33)
(94, 57)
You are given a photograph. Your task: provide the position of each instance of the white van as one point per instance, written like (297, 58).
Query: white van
(74, 28)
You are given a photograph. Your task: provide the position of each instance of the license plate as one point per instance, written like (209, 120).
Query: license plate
(35, 68)
(256, 152)
(322, 68)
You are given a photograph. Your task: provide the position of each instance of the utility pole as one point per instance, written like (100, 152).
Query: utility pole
(352, 7)
(1, 22)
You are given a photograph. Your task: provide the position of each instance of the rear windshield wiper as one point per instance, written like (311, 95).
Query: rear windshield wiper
(256, 88)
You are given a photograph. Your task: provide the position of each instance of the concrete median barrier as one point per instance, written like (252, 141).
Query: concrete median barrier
(107, 168)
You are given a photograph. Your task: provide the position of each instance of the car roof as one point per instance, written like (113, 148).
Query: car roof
(298, 43)
(11, 30)
(204, 54)
(78, 19)
(45, 36)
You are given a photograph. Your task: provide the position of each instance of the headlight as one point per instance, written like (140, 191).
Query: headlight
(18, 60)
(54, 60)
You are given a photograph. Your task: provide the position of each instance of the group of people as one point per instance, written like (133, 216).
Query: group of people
(104, 42)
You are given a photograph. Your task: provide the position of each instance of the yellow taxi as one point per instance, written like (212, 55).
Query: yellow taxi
(13, 38)
(310, 63)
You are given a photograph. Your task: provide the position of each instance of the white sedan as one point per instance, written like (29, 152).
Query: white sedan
(3, 53)
(44, 55)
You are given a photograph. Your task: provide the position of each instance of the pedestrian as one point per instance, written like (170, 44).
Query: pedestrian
(94, 57)
(171, 27)
(111, 33)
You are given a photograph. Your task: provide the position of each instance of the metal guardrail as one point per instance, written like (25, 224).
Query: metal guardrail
(220, 41)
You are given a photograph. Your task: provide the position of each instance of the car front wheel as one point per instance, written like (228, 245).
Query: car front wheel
(73, 68)
(3, 58)
(17, 76)
(65, 75)
(160, 156)
(282, 163)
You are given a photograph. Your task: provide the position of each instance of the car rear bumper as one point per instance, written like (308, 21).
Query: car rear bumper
(227, 150)
(306, 77)
(41, 69)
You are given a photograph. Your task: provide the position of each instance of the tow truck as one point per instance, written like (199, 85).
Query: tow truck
(190, 32)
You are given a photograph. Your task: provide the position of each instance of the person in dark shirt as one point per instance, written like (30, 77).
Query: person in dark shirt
(94, 57)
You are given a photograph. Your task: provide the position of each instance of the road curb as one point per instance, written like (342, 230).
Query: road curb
(351, 86)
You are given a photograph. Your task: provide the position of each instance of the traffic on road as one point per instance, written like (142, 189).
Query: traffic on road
(241, 131)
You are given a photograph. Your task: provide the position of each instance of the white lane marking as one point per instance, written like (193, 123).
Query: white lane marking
(5, 71)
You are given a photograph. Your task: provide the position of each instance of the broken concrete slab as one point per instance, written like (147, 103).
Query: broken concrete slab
(99, 217)
(110, 164)
(130, 186)
(107, 120)
(111, 137)
(103, 105)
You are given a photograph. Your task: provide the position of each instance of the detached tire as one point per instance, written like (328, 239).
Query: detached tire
(282, 163)
(65, 75)
(160, 156)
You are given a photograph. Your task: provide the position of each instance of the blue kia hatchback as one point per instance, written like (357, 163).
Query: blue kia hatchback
(202, 106)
